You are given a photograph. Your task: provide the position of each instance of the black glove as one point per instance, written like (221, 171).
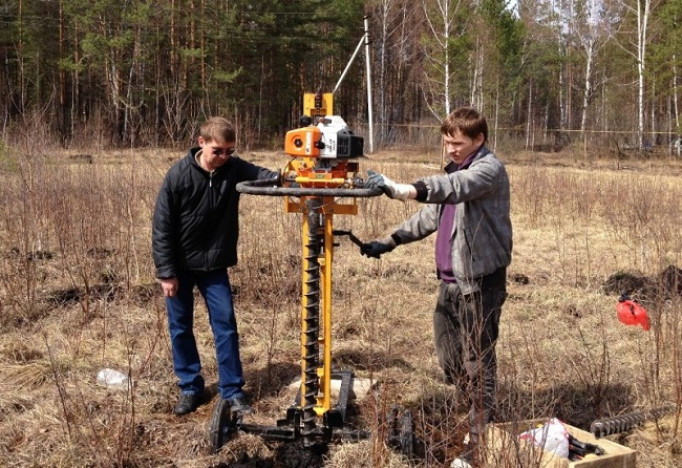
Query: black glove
(276, 178)
(375, 248)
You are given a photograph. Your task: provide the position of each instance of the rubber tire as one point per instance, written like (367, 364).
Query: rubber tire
(222, 417)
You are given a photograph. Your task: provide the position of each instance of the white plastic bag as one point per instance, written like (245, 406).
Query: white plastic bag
(112, 378)
(552, 436)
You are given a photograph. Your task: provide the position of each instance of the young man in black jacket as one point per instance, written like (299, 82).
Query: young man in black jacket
(194, 240)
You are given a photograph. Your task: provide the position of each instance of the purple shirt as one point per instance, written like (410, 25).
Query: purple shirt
(445, 231)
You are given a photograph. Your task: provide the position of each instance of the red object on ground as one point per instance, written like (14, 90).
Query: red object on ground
(631, 313)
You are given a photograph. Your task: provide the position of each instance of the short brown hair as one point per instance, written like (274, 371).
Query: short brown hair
(218, 129)
(468, 121)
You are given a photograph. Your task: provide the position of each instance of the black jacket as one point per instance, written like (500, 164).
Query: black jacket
(196, 223)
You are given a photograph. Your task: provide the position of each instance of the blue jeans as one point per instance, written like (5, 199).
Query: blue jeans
(215, 289)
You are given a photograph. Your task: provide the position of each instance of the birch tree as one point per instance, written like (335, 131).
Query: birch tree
(444, 41)
(590, 24)
(501, 34)
(641, 11)
(395, 30)
(386, 13)
(540, 68)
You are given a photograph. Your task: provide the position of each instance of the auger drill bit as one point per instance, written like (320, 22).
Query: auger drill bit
(625, 422)
(311, 320)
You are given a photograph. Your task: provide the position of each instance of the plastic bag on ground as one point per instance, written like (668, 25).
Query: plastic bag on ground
(112, 378)
(552, 436)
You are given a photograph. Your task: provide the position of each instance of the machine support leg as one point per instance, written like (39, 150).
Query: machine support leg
(325, 337)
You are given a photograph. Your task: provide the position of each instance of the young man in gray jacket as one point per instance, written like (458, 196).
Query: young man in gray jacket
(468, 209)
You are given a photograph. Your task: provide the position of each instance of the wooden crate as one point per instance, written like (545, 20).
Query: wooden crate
(505, 450)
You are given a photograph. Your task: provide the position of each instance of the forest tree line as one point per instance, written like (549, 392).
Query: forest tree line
(122, 73)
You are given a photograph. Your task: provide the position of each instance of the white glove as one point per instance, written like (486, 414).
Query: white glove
(391, 189)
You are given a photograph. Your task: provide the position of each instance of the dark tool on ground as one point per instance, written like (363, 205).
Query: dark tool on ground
(625, 422)
(577, 449)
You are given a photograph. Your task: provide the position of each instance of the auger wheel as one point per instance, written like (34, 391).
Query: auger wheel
(224, 424)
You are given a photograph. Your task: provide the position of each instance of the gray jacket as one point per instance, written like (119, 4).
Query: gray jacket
(482, 232)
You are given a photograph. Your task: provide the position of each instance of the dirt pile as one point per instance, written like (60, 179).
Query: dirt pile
(667, 284)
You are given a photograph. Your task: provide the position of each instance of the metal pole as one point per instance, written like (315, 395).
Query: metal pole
(369, 88)
(350, 62)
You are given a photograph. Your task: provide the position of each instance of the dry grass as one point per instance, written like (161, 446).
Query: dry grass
(77, 294)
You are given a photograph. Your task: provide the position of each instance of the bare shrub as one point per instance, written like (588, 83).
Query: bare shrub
(78, 294)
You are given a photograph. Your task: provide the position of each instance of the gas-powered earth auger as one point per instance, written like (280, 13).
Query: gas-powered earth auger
(321, 171)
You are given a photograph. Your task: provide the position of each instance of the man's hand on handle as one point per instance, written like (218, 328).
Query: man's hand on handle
(391, 189)
(376, 248)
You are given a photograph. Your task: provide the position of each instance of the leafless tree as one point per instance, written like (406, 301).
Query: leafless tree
(642, 11)
(590, 26)
(440, 15)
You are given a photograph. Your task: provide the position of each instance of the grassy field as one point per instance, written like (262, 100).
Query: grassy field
(77, 294)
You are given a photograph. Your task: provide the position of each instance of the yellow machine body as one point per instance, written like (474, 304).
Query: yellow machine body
(318, 104)
(321, 180)
(308, 169)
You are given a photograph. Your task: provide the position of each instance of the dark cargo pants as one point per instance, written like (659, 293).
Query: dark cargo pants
(466, 328)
